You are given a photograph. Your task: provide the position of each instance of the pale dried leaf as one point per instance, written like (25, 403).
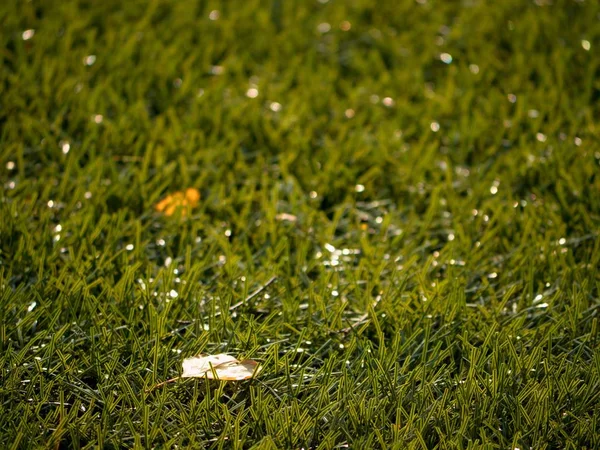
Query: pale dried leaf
(286, 217)
(219, 367)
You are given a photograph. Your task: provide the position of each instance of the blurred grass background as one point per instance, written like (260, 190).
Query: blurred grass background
(439, 288)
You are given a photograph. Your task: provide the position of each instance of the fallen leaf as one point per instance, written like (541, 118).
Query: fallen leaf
(286, 217)
(215, 367)
(179, 201)
(219, 367)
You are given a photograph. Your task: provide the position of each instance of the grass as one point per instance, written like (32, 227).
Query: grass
(439, 288)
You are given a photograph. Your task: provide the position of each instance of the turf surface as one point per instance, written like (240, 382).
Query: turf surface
(438, 288)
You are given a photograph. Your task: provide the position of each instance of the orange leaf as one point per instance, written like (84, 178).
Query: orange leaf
(179, 201)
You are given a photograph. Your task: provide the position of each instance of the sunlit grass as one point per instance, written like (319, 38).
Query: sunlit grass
(399, 219)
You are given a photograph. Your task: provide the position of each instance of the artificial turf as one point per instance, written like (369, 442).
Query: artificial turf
(434, 285)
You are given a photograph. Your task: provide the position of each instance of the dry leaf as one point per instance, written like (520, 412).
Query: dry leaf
(286, 217)
(179, 201)
(219, 367)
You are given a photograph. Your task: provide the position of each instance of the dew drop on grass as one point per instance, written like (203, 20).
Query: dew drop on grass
(10, 165)
(446, 58)
(275, 106)
(89, 60)
(214, 15)
(65, 147)
(323, 28)
(129, 247)
(435, 127)
(586, 45)
(388, 101)
(28, 34)
(252, 93)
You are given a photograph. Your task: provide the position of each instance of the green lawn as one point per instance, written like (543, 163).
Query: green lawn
(439, 287)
